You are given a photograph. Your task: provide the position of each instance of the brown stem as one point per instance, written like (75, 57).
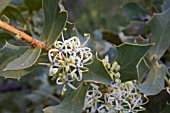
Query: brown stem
(21, 34)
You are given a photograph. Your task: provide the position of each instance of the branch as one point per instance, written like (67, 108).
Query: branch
(21, 34)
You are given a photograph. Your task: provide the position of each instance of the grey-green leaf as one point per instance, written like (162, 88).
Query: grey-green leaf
(17, 74)
(128, 58)
(3, 4)
(25, 60)
(73, 102)
(55, 21)
(160, 25)
(97, 72)
(143, 68)
(154, 82)
(7, 54)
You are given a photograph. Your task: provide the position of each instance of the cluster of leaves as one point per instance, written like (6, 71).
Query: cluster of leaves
(141, 36)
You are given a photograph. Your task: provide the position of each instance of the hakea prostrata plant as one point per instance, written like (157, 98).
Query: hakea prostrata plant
(115, 98)
(68, 60)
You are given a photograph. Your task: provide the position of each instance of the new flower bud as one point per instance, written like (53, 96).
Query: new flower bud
(113, 66)
(117, 75)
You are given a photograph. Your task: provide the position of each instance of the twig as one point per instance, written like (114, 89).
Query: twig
(21, 34)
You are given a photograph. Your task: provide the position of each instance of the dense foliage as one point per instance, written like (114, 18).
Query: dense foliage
(74, 56)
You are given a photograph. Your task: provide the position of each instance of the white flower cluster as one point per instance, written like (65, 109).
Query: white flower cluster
(115, 98)
(68, 59)
(122, 98)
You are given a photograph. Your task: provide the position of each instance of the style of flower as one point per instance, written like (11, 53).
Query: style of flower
(68, 60)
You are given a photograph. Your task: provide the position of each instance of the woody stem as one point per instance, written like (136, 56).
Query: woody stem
(22, 34)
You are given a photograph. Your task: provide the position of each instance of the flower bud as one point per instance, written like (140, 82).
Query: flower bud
(117, 67)
(117, 75)
(113, 66)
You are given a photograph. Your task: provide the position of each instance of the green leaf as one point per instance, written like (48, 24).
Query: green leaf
(160, 25)
(128, 58)
(142, 69)
(7, 54)
(17, 74)
(55, 21)
(134, 10)
(154, 82)
(3, 4)
(97, 72)
(73, 102)
(26, 60)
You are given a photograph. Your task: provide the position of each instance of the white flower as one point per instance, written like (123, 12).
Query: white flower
(68, 59)
(92, 98)
(118, 98)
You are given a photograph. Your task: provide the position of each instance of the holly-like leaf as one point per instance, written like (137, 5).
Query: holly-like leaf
(97, 73)
(154, 82)
(9, 53)
(142, 69)
(128, 58)
(160, 25)
(26, 60)
(73, 102)
(3, 4)
(17, 74)
(55, 21)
